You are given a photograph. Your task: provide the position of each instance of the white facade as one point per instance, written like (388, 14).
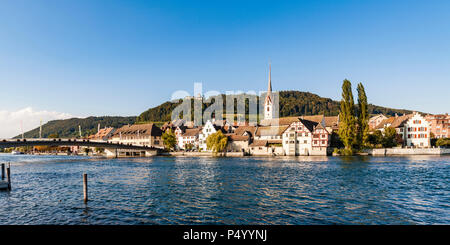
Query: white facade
(185, 140)
(207, 130)
(299, 140)
(417, 131)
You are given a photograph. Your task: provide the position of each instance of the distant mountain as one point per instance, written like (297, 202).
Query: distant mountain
(292, 103)
(69, 127)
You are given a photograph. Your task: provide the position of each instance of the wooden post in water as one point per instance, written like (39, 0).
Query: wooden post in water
(3, 171)
(85, 188)
(8, 176)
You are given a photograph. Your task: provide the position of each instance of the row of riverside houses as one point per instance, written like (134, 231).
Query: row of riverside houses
(304, 135)
(414, 129)
(301, 135)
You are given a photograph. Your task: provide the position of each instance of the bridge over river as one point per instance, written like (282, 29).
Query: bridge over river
(111, 149)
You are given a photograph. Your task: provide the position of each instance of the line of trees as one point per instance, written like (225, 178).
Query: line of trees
(354, 121)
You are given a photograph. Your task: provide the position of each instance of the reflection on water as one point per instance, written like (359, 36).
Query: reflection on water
(186, 190)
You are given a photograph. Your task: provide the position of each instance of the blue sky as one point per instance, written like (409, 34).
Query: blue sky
(89, 57)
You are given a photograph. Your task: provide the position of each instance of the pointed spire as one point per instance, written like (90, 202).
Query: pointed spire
(269, 87)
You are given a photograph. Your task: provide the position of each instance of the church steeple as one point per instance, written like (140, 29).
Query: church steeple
(268, 104)
(269, 87)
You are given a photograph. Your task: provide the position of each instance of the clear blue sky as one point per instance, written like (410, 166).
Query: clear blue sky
(89, 57)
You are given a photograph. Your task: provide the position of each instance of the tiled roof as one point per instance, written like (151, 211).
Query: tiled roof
(385, 122)
(315, 118)
(242, 129)
(400, 121)
(331, 121)
(257, 143)
(279, 121)
(275, 141)
(142, 129)
(310, 125)
(394, 122)
(104, 132)
(234, 137)
(271, 130)
(192, 132)
(290, 120)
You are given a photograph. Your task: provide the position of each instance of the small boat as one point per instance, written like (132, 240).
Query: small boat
(16, 152)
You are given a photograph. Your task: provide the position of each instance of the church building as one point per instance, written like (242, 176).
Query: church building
(269, 101)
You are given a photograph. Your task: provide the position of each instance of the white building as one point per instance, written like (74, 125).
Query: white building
(304, 137)
(189, 137)
(207, 130)
(139, 134)
(417, 131)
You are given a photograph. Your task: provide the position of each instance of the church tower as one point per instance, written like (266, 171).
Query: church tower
(268, 103)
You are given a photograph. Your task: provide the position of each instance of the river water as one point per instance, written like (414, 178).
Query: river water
(250, 190)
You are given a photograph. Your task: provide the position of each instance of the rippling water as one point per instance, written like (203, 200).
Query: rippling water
(183, 190)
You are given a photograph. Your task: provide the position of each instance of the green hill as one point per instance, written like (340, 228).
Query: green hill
(69, 127)
(292, 103)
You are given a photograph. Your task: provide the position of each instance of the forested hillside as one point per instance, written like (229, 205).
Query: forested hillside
(69, 127)
(292, 103)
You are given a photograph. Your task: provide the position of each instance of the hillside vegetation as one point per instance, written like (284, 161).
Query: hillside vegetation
(292, 103)
(69, 127)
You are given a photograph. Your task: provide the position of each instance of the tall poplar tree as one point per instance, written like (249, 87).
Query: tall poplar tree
(363, 117)
(347, 129)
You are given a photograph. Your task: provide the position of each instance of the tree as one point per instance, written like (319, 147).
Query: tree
(189, 146)
(375, 139)
(363, 118)
(389, 138)
(346, 115)
(444, 142)
(217, 142)
(169, 139)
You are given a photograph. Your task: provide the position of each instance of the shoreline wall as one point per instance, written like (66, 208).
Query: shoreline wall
(408, 151)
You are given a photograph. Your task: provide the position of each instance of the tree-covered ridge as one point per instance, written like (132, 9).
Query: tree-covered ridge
(292, 103)
(69, 127)
(161, 113)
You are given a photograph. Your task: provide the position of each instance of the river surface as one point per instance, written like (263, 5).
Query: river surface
(186, 190)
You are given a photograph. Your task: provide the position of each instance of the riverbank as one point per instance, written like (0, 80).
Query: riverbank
(368, 152)
(408, 151)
